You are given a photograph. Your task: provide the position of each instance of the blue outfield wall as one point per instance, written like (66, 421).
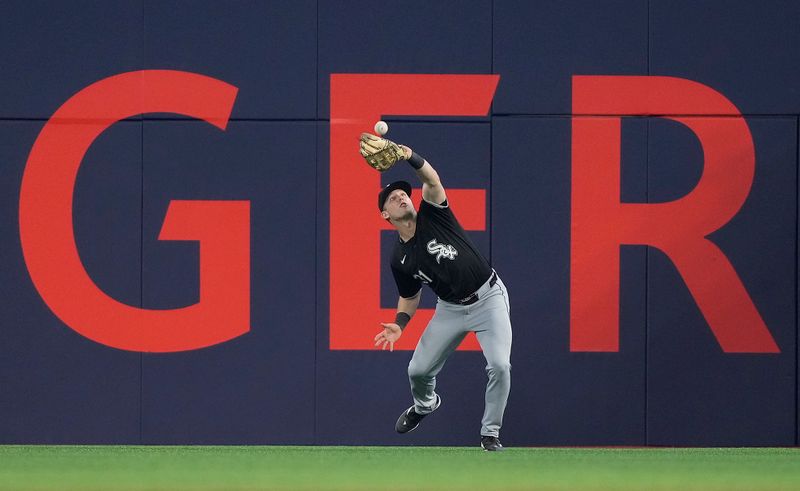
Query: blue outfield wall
(669, 383)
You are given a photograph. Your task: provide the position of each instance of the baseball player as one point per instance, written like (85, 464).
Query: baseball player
(433, 249)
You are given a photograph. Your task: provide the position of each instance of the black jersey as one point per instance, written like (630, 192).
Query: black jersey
(440, 255)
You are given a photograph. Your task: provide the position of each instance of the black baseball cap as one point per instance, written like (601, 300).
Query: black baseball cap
(385, 192)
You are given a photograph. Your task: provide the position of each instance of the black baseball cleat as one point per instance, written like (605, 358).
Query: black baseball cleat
(491, 444)
(410, 419)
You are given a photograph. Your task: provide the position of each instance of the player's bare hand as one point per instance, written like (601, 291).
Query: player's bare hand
(390, 334)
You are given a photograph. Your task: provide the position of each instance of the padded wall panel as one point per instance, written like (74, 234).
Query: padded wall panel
(749, 51)
(267, 49)
(539, 45)
(58, 386)
(53, 49)
(416, 37)
(670, 383)
(257, 388)
(697, 394)
(561, 397)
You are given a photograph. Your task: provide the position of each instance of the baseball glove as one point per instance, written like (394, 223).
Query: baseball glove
(380, 153)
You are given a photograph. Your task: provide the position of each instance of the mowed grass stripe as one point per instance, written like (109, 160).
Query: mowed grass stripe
(394, 468)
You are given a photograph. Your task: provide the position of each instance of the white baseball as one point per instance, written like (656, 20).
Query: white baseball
(381, 128)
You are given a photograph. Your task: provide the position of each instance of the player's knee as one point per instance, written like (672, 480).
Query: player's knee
(499, 370)
(416, 371)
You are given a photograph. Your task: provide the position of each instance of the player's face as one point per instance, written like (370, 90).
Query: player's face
(398, 206)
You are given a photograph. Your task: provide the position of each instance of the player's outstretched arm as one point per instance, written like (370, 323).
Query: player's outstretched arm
(406, 307)
(432, 189)
(382, 154)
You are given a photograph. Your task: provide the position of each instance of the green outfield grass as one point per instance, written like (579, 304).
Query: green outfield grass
(394, 468)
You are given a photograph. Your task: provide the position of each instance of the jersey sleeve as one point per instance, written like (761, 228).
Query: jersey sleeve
(441, 206)
(407, 286)
(440, 213)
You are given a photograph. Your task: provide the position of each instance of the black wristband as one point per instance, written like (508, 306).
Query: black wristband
(416, 161)
(402, 319)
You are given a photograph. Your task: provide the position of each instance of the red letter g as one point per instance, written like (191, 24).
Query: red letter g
(221, 227)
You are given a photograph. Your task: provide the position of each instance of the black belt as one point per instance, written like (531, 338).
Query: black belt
(474, 297)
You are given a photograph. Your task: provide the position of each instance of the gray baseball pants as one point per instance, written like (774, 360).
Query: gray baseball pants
(489, 318)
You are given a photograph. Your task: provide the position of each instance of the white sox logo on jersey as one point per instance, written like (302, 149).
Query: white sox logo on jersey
(442, 250)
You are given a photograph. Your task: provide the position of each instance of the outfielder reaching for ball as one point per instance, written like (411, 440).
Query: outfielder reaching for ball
(433, 249)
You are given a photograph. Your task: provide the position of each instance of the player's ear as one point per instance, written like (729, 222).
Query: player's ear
(384, 215)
